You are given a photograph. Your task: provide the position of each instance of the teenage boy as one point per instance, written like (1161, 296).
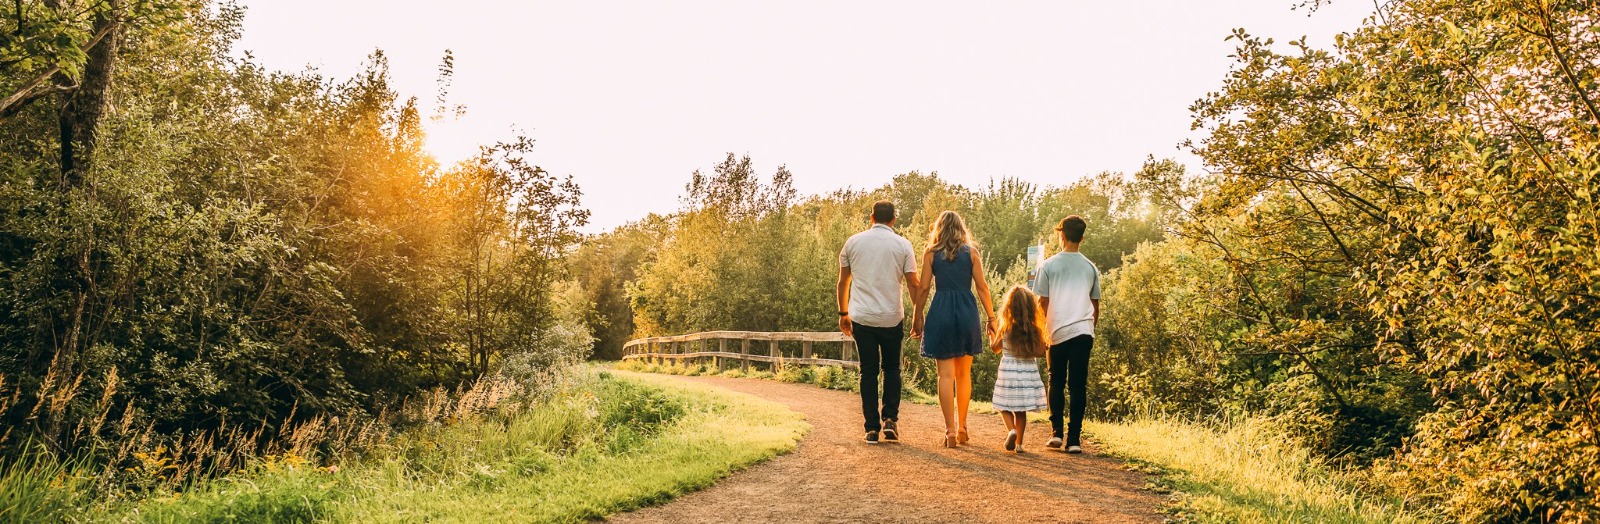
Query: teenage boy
(1068, 285)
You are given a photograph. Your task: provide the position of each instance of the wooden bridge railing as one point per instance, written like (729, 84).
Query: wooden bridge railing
(746, 348)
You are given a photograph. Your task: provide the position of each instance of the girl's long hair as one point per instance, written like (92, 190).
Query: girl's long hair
(1022, 324)
(948, 234)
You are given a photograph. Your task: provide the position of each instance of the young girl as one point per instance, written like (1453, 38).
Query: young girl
(1017, 388)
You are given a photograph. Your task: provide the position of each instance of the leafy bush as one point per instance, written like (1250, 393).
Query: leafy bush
(796, 374)
(835, 377)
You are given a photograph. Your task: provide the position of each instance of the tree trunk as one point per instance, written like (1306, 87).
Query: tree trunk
(83, 104)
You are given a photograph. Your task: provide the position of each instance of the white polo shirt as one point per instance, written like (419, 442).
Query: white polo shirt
(878, 259)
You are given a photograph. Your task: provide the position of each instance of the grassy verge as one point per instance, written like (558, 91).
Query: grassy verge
(614, 442)
(1244, 472)
(1237, 472)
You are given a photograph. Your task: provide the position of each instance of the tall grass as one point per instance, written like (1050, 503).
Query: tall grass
(39, 488)
(1246, 471)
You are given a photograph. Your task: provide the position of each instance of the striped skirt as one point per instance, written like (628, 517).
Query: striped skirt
(1017, 386)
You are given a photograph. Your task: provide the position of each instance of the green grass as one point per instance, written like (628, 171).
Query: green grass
(39, 489)
(1244, 471)
(620, 442)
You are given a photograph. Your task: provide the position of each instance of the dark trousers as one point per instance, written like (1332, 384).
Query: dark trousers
(1069, 374)
(880, 351)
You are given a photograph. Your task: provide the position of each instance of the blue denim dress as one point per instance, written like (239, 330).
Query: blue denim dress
(952, 328)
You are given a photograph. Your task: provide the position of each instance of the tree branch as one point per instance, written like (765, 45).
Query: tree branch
(31, 89)
(1566, 68)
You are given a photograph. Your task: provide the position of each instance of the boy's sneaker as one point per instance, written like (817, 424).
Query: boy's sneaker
(1054, 443)
(891, 432)
(1074, 450)
(872, 437)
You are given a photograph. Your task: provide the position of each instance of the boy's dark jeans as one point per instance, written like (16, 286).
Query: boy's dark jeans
(880, 351)
(1069, 371)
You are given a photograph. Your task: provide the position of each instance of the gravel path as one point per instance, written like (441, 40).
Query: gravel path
(835, 477)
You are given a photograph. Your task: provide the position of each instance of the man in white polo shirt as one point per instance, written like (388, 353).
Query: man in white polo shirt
(871, 311)
(1068, 286)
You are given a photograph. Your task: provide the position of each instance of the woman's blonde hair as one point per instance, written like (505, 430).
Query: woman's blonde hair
(1022, 324)
(948, 234)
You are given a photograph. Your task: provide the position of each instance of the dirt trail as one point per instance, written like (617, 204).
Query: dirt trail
(835, 477)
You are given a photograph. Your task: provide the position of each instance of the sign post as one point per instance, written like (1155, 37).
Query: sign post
(1035, 258)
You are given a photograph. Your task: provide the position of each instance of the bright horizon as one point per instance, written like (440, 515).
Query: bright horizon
(631, 100)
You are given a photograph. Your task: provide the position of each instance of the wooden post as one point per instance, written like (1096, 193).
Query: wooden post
(744, 349)
(805, 348)
(777, 358)
(846, 350)
(722, 347)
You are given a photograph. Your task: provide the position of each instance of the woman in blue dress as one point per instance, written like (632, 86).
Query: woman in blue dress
(952, 333)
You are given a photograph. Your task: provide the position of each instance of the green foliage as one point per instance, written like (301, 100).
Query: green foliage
(40, 488)
(745, 254)
(796, 374)
(834, 377)
(249, 250)
(1409, 227)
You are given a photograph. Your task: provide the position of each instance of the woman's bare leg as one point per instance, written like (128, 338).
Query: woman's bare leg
(963, 373)
(947, 393)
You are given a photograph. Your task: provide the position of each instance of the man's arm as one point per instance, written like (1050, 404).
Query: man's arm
(1044, 305)
(1096, 311)
(842, 290)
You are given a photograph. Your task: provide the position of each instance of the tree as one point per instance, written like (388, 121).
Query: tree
(1432, 183)
(514, 223)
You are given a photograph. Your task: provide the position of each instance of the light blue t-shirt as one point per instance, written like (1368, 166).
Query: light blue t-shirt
(1070, 281)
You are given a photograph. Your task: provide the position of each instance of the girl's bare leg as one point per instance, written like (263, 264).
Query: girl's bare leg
(947, 393)
(1022, 425)
(1010, 419)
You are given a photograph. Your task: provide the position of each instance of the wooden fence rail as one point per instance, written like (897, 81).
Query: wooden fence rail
(696, 346)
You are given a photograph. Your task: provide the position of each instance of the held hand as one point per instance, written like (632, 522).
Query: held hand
(990, 329)
(845, 327)
(916, 330)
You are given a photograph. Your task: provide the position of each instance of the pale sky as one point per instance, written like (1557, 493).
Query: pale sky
(631, 97)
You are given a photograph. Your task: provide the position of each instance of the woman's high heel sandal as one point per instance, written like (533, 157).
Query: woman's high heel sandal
(949, 441)
(961, 437)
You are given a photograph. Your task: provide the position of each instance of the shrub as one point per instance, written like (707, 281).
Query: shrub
(796, 374)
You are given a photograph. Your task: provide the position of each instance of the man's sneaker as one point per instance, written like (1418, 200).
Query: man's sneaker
(1054, 443)
(872, 437)
(1074, 450)
(891, 433)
